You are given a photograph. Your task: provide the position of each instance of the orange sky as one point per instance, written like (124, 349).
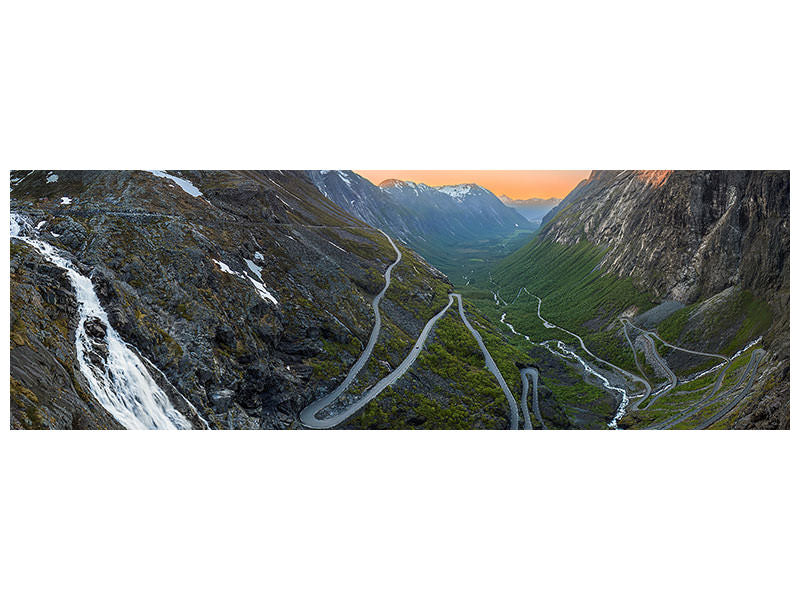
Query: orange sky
(515, 184)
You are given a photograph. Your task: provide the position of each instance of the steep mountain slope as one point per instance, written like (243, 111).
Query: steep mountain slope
(707, 251)
(684, 234)
(444, 224)
(220, 299)
(454, 213)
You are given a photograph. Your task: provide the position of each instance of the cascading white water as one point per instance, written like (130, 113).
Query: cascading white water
(122, 384)
(565, 353)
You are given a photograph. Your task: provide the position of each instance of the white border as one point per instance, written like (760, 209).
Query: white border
(413, 85)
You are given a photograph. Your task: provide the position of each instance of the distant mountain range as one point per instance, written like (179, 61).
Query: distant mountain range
(426, 218)
(515, 202)
(533, 209)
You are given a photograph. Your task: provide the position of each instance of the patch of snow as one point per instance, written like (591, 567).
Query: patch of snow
(253, 267)
(346, 179)
(260, 289)
(51, 177)
(186, 185)
(15, 181)
(65, 201)
(41, 223)
(259, 256)
(457, 192)
(335, 246)
(225, 268)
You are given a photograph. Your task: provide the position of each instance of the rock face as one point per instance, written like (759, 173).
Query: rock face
(690, 236)
(425, 217)
(246, 293)
(683, 234)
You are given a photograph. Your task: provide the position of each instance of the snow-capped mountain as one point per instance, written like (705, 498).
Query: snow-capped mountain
(421, 215)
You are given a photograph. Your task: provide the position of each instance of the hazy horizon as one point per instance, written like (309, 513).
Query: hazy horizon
(517, 185)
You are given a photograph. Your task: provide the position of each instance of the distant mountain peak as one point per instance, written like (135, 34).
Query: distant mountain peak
(654, 178)
(399, 183)
(462, 190)
(386, 183)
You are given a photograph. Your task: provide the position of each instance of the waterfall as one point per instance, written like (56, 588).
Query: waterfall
(117, 377)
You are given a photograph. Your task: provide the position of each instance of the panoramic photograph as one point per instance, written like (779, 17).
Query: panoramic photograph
(535, 300)
(498, 307)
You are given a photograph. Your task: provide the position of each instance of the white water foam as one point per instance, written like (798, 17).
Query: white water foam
(123, 386)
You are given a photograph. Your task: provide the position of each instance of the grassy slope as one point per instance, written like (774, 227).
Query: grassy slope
(574, 295)
(741, 318)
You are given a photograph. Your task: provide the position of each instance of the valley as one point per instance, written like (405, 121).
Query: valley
(606, 311)
(289, 299)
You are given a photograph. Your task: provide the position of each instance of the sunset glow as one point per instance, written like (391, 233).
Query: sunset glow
(514, 184)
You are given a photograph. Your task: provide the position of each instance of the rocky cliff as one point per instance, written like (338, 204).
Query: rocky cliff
(684, 234)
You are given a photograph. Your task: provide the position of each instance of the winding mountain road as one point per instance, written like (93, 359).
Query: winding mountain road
(585, 349)
(648, 388)
(490, 364)
(706, 400)
(308, 416)
(656, 336)
(710, 398)
(673, 380)
(533, 375)
(752, 368)
(650, 336)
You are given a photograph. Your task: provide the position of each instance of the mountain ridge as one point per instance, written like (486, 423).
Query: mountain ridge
(432, 220)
